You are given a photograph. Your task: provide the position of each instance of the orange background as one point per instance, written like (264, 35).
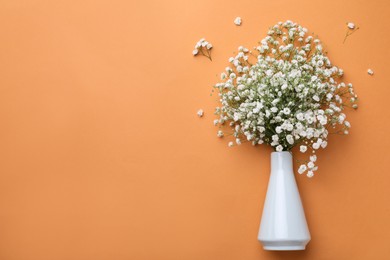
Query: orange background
(102, 155)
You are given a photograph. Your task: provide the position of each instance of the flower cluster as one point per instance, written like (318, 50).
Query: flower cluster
(203, 47)
(288, 96)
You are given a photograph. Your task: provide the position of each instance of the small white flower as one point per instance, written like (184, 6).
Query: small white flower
(286, 111)
(310, 165)
(215, 122)
(220, 134)
(316, 146)
(290, 139)
(370, 72)
(230, 144)
(303, 148)
(209, 46)
(316, 98)
(274, 109)
(279, 148)
(324, 144)
(195, 52)
(310, 174)
(351, 26)
(238, 141)
(237, 21)
(200, 112)
(302, 169)
(313, 158)
(300, 116)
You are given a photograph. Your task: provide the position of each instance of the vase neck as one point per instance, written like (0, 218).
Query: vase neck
(281, 161)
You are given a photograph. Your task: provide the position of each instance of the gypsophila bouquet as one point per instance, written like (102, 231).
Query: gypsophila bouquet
(288, 96)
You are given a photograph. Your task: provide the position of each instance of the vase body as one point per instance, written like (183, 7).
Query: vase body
(283, 223)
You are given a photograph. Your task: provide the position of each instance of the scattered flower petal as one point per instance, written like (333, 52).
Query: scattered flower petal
(370, 72)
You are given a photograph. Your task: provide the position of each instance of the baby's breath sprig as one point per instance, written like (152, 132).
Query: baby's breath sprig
(287, 96)
(351, 28)
(203, 47)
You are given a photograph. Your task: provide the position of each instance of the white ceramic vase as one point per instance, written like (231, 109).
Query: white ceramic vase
(283, 223)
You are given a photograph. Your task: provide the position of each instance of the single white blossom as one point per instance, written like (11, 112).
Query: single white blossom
(351, 26)
(230, 144)
(370, 72)
(303, 148)
(220, 133)
(237, 21)
(200, 112)
(302, 169)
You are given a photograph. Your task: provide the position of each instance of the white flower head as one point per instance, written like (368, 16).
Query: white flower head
(303, 148)
(230, 144)
(237, 21)
(279, 148)
(351, 25)
(370, 72)
(200, 112)
(302, 169)
(220, 134)
(290, 139)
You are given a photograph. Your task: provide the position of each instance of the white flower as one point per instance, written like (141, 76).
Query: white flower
(200, 112)
(286, 111)
(209, 46)
(220, 133)
(316, 98)
(313, 158)
(303, 148)
(237, 21)
(302, 169)
(215, 122)
(290, 139)
(238, 141)
(316, 146)
(310, 174)
(300, 117)
(279, 148)
(230, 144)
(370, 72)
(310, 165)
(351, 26)
(324, 144)
(274, 109)
(195, 52)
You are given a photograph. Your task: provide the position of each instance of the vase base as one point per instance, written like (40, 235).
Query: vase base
(284, 248)
(285, 245)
